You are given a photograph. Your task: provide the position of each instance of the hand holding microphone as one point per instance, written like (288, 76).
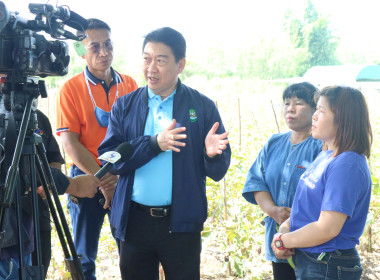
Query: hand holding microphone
(123, 153)
(83, 185)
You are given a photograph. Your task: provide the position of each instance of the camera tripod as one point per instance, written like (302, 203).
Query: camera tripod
(29, 158)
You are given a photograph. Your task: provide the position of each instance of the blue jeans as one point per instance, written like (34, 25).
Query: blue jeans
(9, 268)
(87, 219)
(335, 265)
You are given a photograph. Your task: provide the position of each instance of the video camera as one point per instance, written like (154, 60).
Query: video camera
(23, 52)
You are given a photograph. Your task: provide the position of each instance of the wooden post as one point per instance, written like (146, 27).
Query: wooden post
(275, 116)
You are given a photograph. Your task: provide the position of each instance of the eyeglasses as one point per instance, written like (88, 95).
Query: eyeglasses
(96, 47)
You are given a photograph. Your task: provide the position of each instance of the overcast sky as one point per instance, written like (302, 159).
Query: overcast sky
(228, 21)
(230, 24)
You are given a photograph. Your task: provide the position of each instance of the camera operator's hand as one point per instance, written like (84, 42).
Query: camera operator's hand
(83, 185)
(107, 186)
(40, 189)
(41, 192)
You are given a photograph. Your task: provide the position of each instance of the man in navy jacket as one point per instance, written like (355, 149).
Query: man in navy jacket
(160, 203)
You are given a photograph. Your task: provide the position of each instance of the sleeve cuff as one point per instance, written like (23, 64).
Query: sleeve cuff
(154, 144)
(211, 159)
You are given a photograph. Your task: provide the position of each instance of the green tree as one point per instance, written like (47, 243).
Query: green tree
(313, 39)
(266, 59)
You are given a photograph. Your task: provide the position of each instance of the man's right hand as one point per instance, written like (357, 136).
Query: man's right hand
(83, 186)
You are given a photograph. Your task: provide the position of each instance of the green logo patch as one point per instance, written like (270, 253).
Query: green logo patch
(193, 115)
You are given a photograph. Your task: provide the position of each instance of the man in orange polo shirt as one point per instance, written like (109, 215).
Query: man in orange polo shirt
(83, 109)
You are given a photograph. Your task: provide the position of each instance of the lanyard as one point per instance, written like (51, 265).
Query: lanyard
(89, 90)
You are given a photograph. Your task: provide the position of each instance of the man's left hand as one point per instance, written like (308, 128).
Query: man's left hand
(215, 143)
(108, 181)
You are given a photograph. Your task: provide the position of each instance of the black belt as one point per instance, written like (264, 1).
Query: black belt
(154, 211)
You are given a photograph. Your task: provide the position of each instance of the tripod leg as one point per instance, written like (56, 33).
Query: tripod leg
(73, 262)
(39, 269)
(19, 233)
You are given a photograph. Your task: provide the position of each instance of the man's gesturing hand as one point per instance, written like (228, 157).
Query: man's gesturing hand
(168, 138)
(215, 143)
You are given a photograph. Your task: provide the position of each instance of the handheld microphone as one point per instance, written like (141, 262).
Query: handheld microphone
(122, 153)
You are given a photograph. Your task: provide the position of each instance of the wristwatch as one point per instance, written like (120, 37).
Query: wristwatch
(278, 242)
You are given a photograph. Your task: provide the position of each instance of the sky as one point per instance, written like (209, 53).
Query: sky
(227, 23)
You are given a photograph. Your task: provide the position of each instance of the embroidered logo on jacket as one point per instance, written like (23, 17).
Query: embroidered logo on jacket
(39, 131)
(193, 115)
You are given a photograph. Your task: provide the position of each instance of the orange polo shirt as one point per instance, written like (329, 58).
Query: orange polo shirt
(76, 113)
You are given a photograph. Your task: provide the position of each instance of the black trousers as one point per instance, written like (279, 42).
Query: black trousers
(45, 237)
(283, 271)
(148, 243)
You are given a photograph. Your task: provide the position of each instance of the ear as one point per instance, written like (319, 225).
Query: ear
(181, 65)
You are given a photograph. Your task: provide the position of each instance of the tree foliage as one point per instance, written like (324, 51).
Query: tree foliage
(313, 39)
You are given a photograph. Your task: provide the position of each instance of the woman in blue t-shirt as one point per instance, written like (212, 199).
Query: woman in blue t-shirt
(272, 179)
(332, 198)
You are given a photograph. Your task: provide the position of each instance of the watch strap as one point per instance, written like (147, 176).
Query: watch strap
(278, 241)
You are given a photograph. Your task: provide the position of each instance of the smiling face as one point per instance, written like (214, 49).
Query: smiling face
(297, 114)
(99, 54)
(161, 69)
(323, 126)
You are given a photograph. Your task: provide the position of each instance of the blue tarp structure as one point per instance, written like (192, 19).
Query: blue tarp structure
(369, 73)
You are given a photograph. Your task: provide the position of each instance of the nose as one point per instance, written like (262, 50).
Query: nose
(290, 108)
(103, 50)
(152, 66)
(315, 116)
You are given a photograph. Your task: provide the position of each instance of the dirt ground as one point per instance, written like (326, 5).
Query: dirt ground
(212, 265)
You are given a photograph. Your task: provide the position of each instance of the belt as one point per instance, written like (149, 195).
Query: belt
(154, 211)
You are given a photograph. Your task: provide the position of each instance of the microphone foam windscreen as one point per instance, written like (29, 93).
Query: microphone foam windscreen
(125, 150)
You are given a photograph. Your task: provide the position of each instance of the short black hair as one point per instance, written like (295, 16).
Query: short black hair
(304, 91)
(93, 24)
(170, 37)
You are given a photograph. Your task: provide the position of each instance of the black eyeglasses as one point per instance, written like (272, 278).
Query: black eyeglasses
(96, 47)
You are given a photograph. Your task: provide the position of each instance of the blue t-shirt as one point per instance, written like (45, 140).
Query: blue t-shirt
(277, 169)
(341, 184)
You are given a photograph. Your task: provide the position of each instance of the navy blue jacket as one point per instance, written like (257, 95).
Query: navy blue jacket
(191, 165)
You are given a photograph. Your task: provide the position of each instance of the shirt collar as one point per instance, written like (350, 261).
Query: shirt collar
(151, 94)
(116, 78)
